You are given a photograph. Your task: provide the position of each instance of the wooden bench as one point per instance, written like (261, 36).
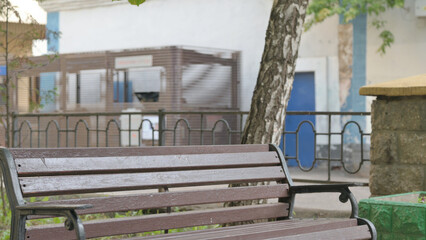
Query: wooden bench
(190, 175)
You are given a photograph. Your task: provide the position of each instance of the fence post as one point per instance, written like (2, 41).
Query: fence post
(14, 130)
(97, 130)
(329, 149)
(67, 129)
(161, 126)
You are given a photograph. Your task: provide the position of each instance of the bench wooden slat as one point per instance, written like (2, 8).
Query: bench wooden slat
(169, 199)
(163, 221)
(134, 151)
(55, 185)
(353, 233)
(261, 231)
(91, 165)
(287, 223)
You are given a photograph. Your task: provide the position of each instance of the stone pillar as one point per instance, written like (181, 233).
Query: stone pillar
(398, 138)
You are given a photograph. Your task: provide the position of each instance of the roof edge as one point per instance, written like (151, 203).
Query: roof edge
(410, 86)
(67, 5)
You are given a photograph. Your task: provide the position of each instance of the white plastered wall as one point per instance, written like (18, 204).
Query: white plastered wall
(229, 24)
(407, 55)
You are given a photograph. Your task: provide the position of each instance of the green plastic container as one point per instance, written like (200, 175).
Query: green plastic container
(396, 217)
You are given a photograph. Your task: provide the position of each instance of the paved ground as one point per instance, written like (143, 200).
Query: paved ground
(328, 204)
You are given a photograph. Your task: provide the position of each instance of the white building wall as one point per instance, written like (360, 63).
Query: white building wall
(407, 55)
(228, 24)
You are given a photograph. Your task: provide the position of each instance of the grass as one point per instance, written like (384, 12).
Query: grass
(5, 220)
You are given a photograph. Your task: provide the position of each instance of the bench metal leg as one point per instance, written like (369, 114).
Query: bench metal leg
(17, 229)
(73, 222)
(363, 221)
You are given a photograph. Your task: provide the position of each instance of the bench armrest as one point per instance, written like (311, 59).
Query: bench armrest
(73, 222)
(343, 189)
(323, 188)
(57, 207)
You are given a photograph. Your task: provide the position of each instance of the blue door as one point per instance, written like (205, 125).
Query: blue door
(302, 98)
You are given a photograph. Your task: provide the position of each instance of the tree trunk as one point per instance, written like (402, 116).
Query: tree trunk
(7, 80)
(265, 122)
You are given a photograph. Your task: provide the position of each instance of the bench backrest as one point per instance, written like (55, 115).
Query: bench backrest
(72, 172)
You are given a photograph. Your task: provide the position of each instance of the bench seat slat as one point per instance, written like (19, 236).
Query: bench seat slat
(55, 185)
(163, 221)
(286, 224)
(261, 231)
(353, 233)
(90, 165)
(168, 199)
(134, 151)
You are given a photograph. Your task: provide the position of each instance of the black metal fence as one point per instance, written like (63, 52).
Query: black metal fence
(313, 141)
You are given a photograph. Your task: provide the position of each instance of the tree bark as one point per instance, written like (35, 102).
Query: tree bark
(265, 122)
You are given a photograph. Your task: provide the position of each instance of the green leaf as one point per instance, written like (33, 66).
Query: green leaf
(387, 40)
(319, 10)
(136, 2)
(378, 24)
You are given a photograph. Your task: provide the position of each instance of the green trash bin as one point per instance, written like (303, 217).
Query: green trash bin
(397, 217)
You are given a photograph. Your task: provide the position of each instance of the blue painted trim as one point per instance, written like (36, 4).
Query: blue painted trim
(359, 68)
(354, 101)
(341, 19)
(52, 25)
(3, 70)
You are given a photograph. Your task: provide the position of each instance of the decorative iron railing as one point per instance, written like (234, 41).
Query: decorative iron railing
(312, 140)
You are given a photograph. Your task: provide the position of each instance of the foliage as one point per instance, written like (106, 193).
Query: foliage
(136, 2)
(133, 2)
(319, 10)
(17, 62)
(5, 219)
(421, 199)
(48, 96)
(14, 59)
